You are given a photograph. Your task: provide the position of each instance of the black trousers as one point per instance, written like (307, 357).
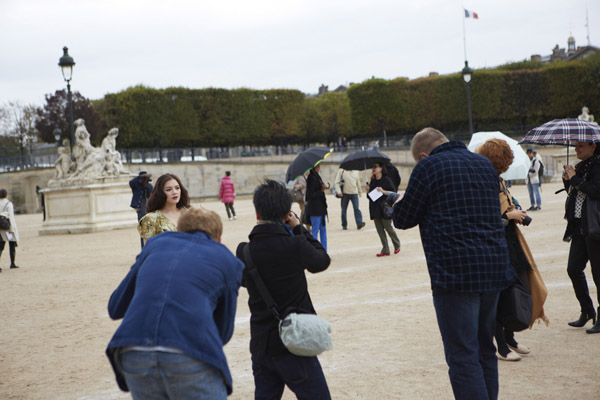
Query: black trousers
(12, 246)
(230, 210)
(583, 249)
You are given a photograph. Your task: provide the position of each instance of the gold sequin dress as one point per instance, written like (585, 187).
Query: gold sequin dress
(154, 223)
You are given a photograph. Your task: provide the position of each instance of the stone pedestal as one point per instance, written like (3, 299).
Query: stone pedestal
(88, 207)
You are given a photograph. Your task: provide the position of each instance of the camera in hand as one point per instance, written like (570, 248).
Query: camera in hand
(527, 220)
(391, 198)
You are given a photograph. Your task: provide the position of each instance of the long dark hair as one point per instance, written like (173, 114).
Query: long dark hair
(384, 171)
(157, 198)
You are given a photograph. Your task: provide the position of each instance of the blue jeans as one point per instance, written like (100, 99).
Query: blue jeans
(154, 375)
(303, 375)
(467, 322)
(357, 214)
(534, 194)
(318, 228)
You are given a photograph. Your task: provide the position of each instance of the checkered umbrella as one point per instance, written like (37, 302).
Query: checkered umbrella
(565, 132)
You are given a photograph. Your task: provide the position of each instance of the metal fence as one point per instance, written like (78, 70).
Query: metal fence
(46, 158)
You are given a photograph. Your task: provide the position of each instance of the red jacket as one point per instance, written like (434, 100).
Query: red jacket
(227, 190)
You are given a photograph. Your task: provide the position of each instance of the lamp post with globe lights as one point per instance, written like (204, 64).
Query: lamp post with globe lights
(66, 64)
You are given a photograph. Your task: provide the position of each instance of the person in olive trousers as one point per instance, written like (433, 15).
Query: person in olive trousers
(383, 224)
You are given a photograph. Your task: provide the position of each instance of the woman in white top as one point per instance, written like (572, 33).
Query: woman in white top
(12, 234)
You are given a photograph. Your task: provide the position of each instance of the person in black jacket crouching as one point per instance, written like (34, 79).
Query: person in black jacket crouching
(281, 257)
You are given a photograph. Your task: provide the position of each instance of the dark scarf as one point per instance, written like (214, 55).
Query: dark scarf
(582, 168)
(574, 223)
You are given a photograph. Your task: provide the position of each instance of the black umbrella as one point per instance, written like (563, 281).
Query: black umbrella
(363, 159)
(306, 161)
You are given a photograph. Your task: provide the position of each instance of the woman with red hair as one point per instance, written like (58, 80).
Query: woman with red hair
(501, 156)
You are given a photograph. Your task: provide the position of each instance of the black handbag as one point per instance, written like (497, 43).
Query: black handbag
(386, 209)
(4, 219)
(593, 218)
(515, 307)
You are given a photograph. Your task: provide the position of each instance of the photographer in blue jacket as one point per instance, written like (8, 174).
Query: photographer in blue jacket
(178, 306)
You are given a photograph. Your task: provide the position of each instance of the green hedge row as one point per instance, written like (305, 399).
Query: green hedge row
(511, 97)
(500, 98)
(176, 117)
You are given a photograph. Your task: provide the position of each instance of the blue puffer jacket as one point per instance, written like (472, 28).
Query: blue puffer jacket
(181, 293)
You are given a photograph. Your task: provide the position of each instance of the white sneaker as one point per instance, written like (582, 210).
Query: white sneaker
(234, 217)
(520, 349)
(511, 356)
(231, 219)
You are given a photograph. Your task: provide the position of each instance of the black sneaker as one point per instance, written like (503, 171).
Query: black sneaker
(362, 225)
(538, 208)
(344, 228)
(14, 266)
(532, 208)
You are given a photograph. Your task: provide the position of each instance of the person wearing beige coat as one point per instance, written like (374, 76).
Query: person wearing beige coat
(501, 156)
(348, 189)
(12, 234)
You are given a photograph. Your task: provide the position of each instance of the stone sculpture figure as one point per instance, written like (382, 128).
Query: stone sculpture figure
(90, 162)
(113, 163)
(586, 116)
(89, 159)
(62, 164)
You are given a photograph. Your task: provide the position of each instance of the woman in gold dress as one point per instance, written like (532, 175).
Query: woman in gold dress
(164, 207)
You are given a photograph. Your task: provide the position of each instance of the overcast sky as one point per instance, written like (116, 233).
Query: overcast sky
(264, 44)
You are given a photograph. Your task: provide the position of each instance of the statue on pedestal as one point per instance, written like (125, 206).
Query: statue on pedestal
(91, 163)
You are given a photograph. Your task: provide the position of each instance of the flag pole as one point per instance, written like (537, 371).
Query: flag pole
(464, 36)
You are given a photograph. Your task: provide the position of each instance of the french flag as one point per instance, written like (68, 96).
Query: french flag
(471, 14)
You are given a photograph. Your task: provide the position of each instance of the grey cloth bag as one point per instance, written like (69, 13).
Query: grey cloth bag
(303, 334)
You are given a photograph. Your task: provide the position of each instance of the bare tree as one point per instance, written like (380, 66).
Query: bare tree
(19, 123)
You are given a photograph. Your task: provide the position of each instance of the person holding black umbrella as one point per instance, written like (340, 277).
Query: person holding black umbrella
(316, 205)
(581, 182)
(383, 223)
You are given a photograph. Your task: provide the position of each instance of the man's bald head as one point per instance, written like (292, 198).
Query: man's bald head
(425, 141)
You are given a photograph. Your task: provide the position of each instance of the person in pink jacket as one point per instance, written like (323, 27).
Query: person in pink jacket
(227, 195)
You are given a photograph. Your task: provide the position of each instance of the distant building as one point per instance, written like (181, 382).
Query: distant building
(325, 89)
(572, 52)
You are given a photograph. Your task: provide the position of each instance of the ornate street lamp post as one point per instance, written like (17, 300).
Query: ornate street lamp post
(66, 64)
(467, 74)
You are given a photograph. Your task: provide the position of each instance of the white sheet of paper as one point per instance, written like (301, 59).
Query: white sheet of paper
(375, 194)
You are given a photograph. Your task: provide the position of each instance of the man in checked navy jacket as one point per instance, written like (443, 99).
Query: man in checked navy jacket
(452, 195)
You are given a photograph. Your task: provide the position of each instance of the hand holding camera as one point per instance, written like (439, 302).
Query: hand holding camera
(519, 216)
(292, 220)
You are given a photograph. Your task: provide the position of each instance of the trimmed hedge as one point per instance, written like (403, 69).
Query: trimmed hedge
(500, 98)
(513, 97)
